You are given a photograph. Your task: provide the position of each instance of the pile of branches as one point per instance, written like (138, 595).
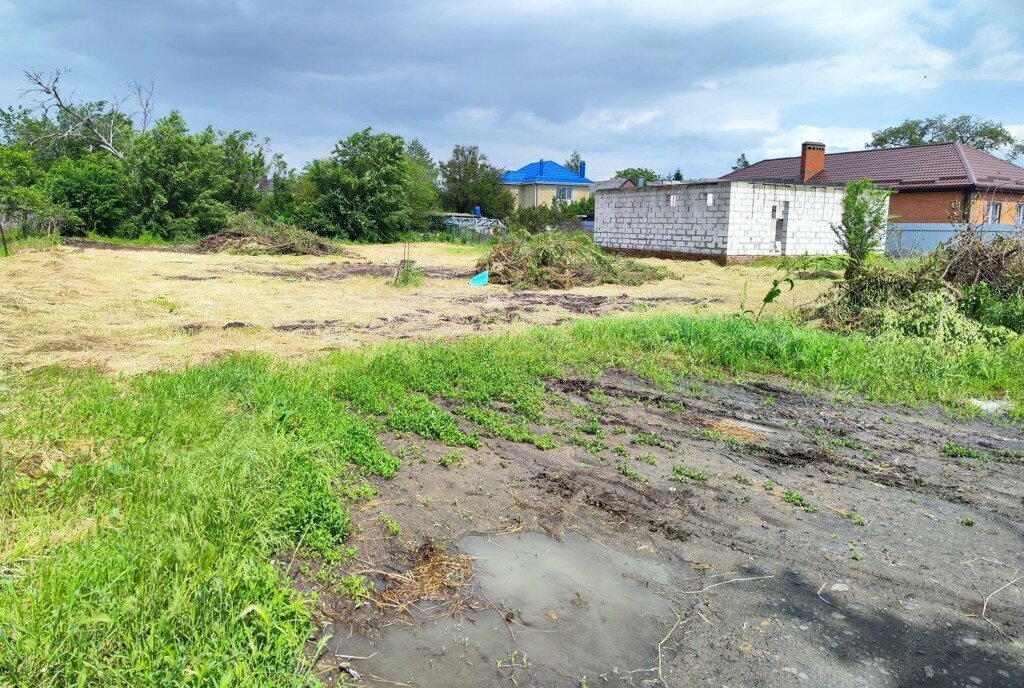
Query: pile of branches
(250, 235)
(967, 259)
(561, 260)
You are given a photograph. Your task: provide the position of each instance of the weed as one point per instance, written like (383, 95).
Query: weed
(408, 275)
(647, 459)
(798, 500)
(593, 428)
(625, 470)
(620, 450)
(768, 485)
(649, 439)
(415, 413)
(503, 425)
(355, 587)
(452, 460)
(969, 522)
(394, 530)
(742, 479)
(959, 451)
(594, 445)
(856, 518)
(681, 473)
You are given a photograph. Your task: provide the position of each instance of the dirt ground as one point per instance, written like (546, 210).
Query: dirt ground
(833, 543)
(124, 309)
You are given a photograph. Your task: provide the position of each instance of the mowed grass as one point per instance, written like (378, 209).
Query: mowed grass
(147, 522)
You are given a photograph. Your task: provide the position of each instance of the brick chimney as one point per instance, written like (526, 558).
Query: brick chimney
(812, 159)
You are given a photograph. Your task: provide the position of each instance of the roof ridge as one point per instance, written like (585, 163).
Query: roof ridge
(959, 148)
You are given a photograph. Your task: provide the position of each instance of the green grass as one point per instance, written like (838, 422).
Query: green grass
(148, 545)
(682, 473)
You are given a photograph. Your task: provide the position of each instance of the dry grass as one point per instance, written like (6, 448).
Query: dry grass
(436, 576)
(132, 311)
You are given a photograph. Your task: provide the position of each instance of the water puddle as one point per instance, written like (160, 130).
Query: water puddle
(578, 610)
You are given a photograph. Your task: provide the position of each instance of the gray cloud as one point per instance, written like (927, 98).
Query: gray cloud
(658, 83)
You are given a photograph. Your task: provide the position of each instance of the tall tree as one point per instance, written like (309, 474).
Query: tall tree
(677, 176)
(469, 180)
(574, 162)
(984, 134)
(635, 174)
(862, 228)
(741, 162)
(421, 184)
(360, 192)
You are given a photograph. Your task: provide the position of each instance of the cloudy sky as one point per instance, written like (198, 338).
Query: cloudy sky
(656, 83)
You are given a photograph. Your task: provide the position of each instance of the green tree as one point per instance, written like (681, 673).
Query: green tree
(984, 134)
(19, 180)
(677, 176)
(469, 180)
(360, 192)
(862, 229)
(97, 190)
(635, 174)
(574, 162)
(741, 162)
(188, 184)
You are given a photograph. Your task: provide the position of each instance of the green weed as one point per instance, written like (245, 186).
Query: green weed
(625, 470)
(798, 500)
(681, 473)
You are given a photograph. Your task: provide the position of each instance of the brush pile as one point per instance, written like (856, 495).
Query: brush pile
(249, 235)
(968, 292)
(560, 260)
(435, 575)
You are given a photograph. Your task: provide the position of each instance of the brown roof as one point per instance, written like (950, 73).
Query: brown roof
(934, 166)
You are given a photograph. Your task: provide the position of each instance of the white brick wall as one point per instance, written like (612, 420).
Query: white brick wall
(738, 223)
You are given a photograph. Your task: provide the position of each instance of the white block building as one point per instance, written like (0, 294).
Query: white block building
(724, 221)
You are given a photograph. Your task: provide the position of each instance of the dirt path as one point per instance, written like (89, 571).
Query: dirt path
(832, 543)
(128, 309)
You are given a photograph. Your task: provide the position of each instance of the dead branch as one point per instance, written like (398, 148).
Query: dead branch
(50, 95)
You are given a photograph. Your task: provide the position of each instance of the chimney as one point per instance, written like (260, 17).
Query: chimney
(812, 159)
(583, 168)
(540, 172)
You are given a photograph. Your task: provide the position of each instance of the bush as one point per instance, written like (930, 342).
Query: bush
(557, 260)
(981, 303)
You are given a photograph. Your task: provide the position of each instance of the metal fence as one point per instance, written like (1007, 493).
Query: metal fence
(914, 238)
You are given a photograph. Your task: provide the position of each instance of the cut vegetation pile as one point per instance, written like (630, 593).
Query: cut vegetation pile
(250, 235)
(967, 293)
(558, 260)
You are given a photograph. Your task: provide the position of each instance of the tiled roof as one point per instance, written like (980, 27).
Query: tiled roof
(935, 166)
(544, 172)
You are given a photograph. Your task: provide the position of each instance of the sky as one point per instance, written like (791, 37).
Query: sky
(657, 83)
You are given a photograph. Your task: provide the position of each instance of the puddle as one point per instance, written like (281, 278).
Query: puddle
(580, 610)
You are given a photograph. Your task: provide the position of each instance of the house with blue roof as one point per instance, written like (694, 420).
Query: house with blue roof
(544, 181)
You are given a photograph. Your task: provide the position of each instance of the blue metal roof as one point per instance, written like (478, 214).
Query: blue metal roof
(544, 172)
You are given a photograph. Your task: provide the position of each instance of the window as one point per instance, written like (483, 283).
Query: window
(775, 211)
(563, 193)
(711, 199)
(1020, 214)
(673, 200)
(993, 212)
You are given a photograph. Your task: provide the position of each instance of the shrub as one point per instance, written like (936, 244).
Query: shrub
(933, 316)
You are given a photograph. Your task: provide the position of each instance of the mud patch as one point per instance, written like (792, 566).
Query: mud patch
(554, 613)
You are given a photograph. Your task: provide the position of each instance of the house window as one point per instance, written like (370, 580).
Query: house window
(1020, 214)
(993, 212)
(711, 199)
(673, 200)
(775, 211)
(563, 193)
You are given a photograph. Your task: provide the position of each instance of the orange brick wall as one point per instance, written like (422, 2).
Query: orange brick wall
(1009, 201)
(923, 206)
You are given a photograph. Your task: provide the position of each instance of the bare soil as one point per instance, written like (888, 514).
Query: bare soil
(904, 569)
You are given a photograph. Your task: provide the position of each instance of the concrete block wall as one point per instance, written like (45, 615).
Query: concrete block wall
(807, 214)
(644, 219)
(738, 223)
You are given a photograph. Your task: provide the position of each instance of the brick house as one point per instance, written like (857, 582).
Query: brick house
(934, 184)
(710, 219)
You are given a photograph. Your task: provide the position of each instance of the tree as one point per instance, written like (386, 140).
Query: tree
(469, 180)
(421, 184)
(862, 228)
(635, 174)
(97, 189)
(677, 176)
(574, 162)
(741, 162)
(360, 192)
(984, 134)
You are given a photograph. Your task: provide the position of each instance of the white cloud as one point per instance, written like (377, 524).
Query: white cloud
(785, 144)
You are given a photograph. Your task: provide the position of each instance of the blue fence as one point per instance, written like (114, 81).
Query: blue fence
(912, 238)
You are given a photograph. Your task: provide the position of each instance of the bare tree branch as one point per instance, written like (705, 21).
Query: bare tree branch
(48, 90)
(144, 98)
